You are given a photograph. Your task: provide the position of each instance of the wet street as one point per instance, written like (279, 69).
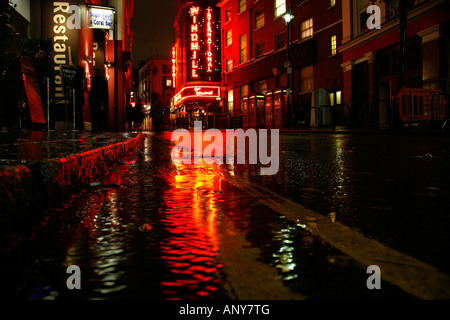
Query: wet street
(151, 229)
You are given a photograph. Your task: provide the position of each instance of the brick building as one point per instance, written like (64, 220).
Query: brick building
(155, 76)
(266, 60)
(371, 62)
(197, 63)
(89, 34)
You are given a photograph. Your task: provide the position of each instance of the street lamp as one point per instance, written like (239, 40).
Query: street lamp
(288, 17)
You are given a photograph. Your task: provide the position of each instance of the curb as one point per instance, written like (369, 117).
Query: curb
(27, 188)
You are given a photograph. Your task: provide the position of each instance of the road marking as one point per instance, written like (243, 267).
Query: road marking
(411, 275)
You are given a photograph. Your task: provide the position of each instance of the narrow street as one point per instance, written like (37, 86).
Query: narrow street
(339, 203)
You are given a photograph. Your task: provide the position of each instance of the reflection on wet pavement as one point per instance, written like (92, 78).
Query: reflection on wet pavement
(380, 185)
(155, 230)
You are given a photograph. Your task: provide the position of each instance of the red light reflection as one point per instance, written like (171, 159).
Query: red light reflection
(192, 248)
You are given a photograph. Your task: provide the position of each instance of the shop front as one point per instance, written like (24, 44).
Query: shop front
(196, 103)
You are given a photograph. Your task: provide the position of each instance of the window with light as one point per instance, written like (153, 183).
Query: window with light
(259, 19)
(243, 48)
(242, 5)
(227, 16)
(333, 45)
(229, 65)
(306, 28)
(229, 38)
(230, 101)
(244, 93)
(307, 79)
(280, 7)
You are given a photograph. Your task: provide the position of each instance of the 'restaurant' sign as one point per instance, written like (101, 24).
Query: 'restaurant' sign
(61, 22)
(101, 18)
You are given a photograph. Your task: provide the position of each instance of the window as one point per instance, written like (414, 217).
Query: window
(243, 48)
(259, 19)
(332, 3)
(333, 45)
(244, 93)
(167, 69)
(227, 16)
(259, 49)
(242, 5)
(280, 40)
(307, 79)
(335, 98)
(280, 7)
(262, 86)
(230, 101)
(229, 38)
(338, 97)
(306, 28)
(229, 64)
(363, 15)
(167, 82)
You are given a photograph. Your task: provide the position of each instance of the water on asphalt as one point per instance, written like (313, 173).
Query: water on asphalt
(154, 230)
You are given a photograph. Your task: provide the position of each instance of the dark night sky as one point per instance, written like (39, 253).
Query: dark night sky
(153, 29)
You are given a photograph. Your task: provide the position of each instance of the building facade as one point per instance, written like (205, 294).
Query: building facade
(196, 59)
(272, 67)
(372, 62)
(155, 76)
(85, 36)
(333, 63)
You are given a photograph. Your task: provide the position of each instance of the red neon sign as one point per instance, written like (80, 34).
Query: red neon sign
(195, 44)
(202, 44)
(210, 92)
(174, 66)
(209, 55)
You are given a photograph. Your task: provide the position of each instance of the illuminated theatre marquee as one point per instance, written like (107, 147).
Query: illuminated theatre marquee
(203, 44)
(192, 92)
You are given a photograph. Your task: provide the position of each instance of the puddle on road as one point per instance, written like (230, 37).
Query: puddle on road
(155, 231)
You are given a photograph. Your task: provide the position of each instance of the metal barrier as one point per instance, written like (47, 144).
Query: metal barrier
(421, 104)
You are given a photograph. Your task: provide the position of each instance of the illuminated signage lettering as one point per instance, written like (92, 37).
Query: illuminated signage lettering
(210, 92)
(209, 55)
(203, 44)
(66, 17)
(195, 46)
(174, 66)
(101, 18)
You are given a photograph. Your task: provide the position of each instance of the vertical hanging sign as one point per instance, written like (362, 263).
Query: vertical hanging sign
(209, 33)
(195, 42)
(203, 44)
(174, 67)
